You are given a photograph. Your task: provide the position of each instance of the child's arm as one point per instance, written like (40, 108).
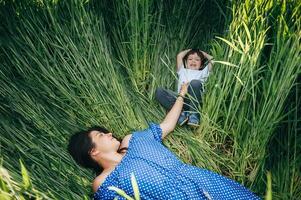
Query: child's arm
(180, 57)
(210, 58)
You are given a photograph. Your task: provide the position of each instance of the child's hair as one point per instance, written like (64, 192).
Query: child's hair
(199, 53)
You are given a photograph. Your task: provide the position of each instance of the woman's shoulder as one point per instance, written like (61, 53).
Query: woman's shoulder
(125, 141)
(153, 131)
(99, 180)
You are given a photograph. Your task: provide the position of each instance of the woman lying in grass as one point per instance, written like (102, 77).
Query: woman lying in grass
(159, 173)
(193, 66)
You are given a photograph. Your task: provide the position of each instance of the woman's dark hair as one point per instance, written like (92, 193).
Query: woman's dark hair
(80, 145)
(199, 53)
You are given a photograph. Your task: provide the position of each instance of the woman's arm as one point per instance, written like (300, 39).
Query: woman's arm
(180, 57)
(170, 121)
(210, 58)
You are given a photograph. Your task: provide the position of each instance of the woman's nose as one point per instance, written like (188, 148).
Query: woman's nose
(110, 134)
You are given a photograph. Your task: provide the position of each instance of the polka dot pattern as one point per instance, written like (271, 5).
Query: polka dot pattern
(161, 175)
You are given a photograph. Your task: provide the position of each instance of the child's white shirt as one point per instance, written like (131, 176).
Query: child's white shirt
(187, 75)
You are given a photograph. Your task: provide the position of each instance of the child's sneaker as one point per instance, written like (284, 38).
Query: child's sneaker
(183, 118)
(194, 120)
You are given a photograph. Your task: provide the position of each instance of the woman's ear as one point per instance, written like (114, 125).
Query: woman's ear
(94, 152)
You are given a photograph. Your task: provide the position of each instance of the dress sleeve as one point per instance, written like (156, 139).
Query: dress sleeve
(152, 133)
(107, 194)
(156, 131)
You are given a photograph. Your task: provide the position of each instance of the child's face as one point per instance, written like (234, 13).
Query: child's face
(194, 61)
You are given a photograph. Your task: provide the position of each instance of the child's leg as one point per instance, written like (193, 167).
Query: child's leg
(165, 97)
(195, 90)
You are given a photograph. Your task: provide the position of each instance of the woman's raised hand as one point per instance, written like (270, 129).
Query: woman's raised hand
(170, 121)
(184, 89)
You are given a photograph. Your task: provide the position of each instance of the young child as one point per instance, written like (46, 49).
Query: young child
(193, 66)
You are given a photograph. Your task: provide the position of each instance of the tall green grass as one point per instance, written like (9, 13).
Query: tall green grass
(271, 82)
(148, 34)
(247, 99)
(56, 82)
(66, 65)
(16, 189)
(284, 163)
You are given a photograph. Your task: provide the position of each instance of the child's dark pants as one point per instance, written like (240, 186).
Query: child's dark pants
(192, 101)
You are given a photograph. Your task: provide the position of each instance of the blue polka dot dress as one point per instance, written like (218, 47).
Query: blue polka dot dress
(161, 175)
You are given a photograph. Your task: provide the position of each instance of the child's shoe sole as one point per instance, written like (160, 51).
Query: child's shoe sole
(193, 124)
(183, 122)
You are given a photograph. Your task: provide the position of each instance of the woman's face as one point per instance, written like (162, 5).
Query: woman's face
(194, 61)
(104, 142)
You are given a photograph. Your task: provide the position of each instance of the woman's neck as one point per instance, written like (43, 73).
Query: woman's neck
(110, 161)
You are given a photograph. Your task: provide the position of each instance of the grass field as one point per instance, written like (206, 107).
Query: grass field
(66, 65)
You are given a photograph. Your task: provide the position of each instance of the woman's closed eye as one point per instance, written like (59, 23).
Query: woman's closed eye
(100, 134)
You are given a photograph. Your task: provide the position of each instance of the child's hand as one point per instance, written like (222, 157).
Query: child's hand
(209, 57)
(184, 88)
